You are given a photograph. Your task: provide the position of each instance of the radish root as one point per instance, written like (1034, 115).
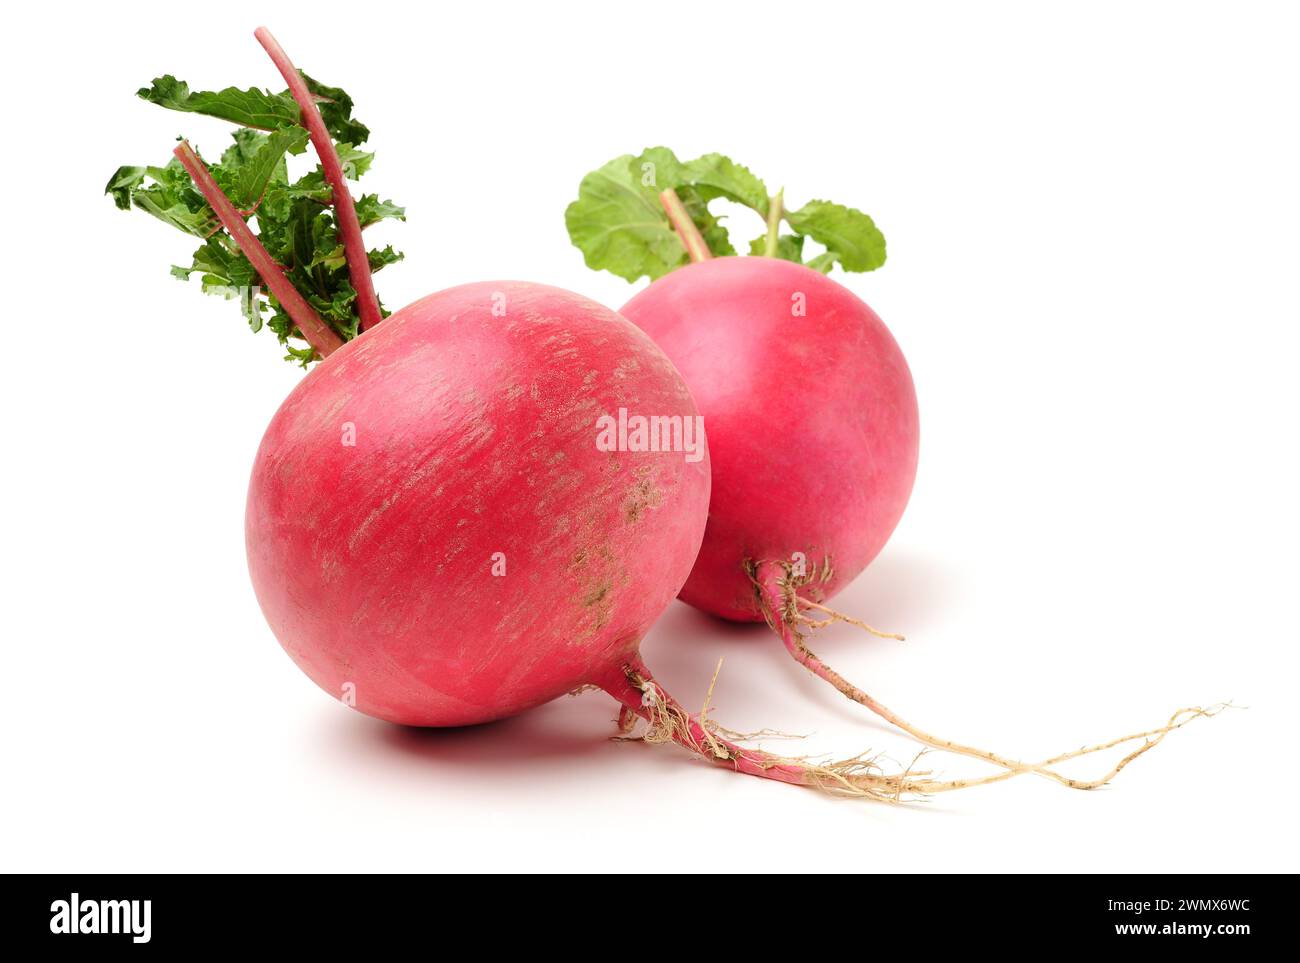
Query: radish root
(861, 776)
(832, 616)
(626, 719)
(776, 587)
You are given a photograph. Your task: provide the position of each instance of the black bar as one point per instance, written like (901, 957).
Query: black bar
(209, 913)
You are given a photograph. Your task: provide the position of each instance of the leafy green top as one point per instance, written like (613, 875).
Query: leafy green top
(295, 221)
(620, 226)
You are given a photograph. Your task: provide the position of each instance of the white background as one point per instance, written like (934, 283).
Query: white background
(1092, 220)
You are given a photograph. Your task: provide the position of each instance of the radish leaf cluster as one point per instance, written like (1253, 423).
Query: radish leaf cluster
(620, 225)
(295, 220)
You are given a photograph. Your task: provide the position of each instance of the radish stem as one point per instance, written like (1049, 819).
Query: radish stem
(349, 226)
(775, 211)
(687, 232)
(317, 333)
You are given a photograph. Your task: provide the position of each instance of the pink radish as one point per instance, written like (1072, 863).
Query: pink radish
(811, 409)
(814, 443)
(451, 441)
(814, 427)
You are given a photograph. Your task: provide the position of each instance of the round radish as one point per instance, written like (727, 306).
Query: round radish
(813, 425)
(431, 523)
(813, 434)
(812, 414)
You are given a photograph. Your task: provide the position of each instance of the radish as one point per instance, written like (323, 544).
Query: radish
(812, 415)
(471, 447)
(471, 506)
(830, 471)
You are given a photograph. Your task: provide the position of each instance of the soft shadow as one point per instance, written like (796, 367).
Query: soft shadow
(898, 592)
(509, 741)
(566, 729)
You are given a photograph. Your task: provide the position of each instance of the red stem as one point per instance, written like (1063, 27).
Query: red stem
(349, 226)
(689, 234)
(752, 762)
(318, 334)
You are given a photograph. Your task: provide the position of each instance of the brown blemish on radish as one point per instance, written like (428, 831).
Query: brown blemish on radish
(645, 494)
(596, 596)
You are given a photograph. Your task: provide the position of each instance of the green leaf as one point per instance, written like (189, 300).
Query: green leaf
(169, 196)
(336, 110)
(336, 308)
(248, 108)
(222, 270)
(715, 235)
(714, 175)
(227, 273)
(266, 162)
(260, 108)
(122, 183)
(380, 259)
(354, 162)
(295, 220)
(850, 237)
(617, 221)
(789, 247)
(370, 210)
(247, 142)
(823, 262)
(251, 305)
(657, 169)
